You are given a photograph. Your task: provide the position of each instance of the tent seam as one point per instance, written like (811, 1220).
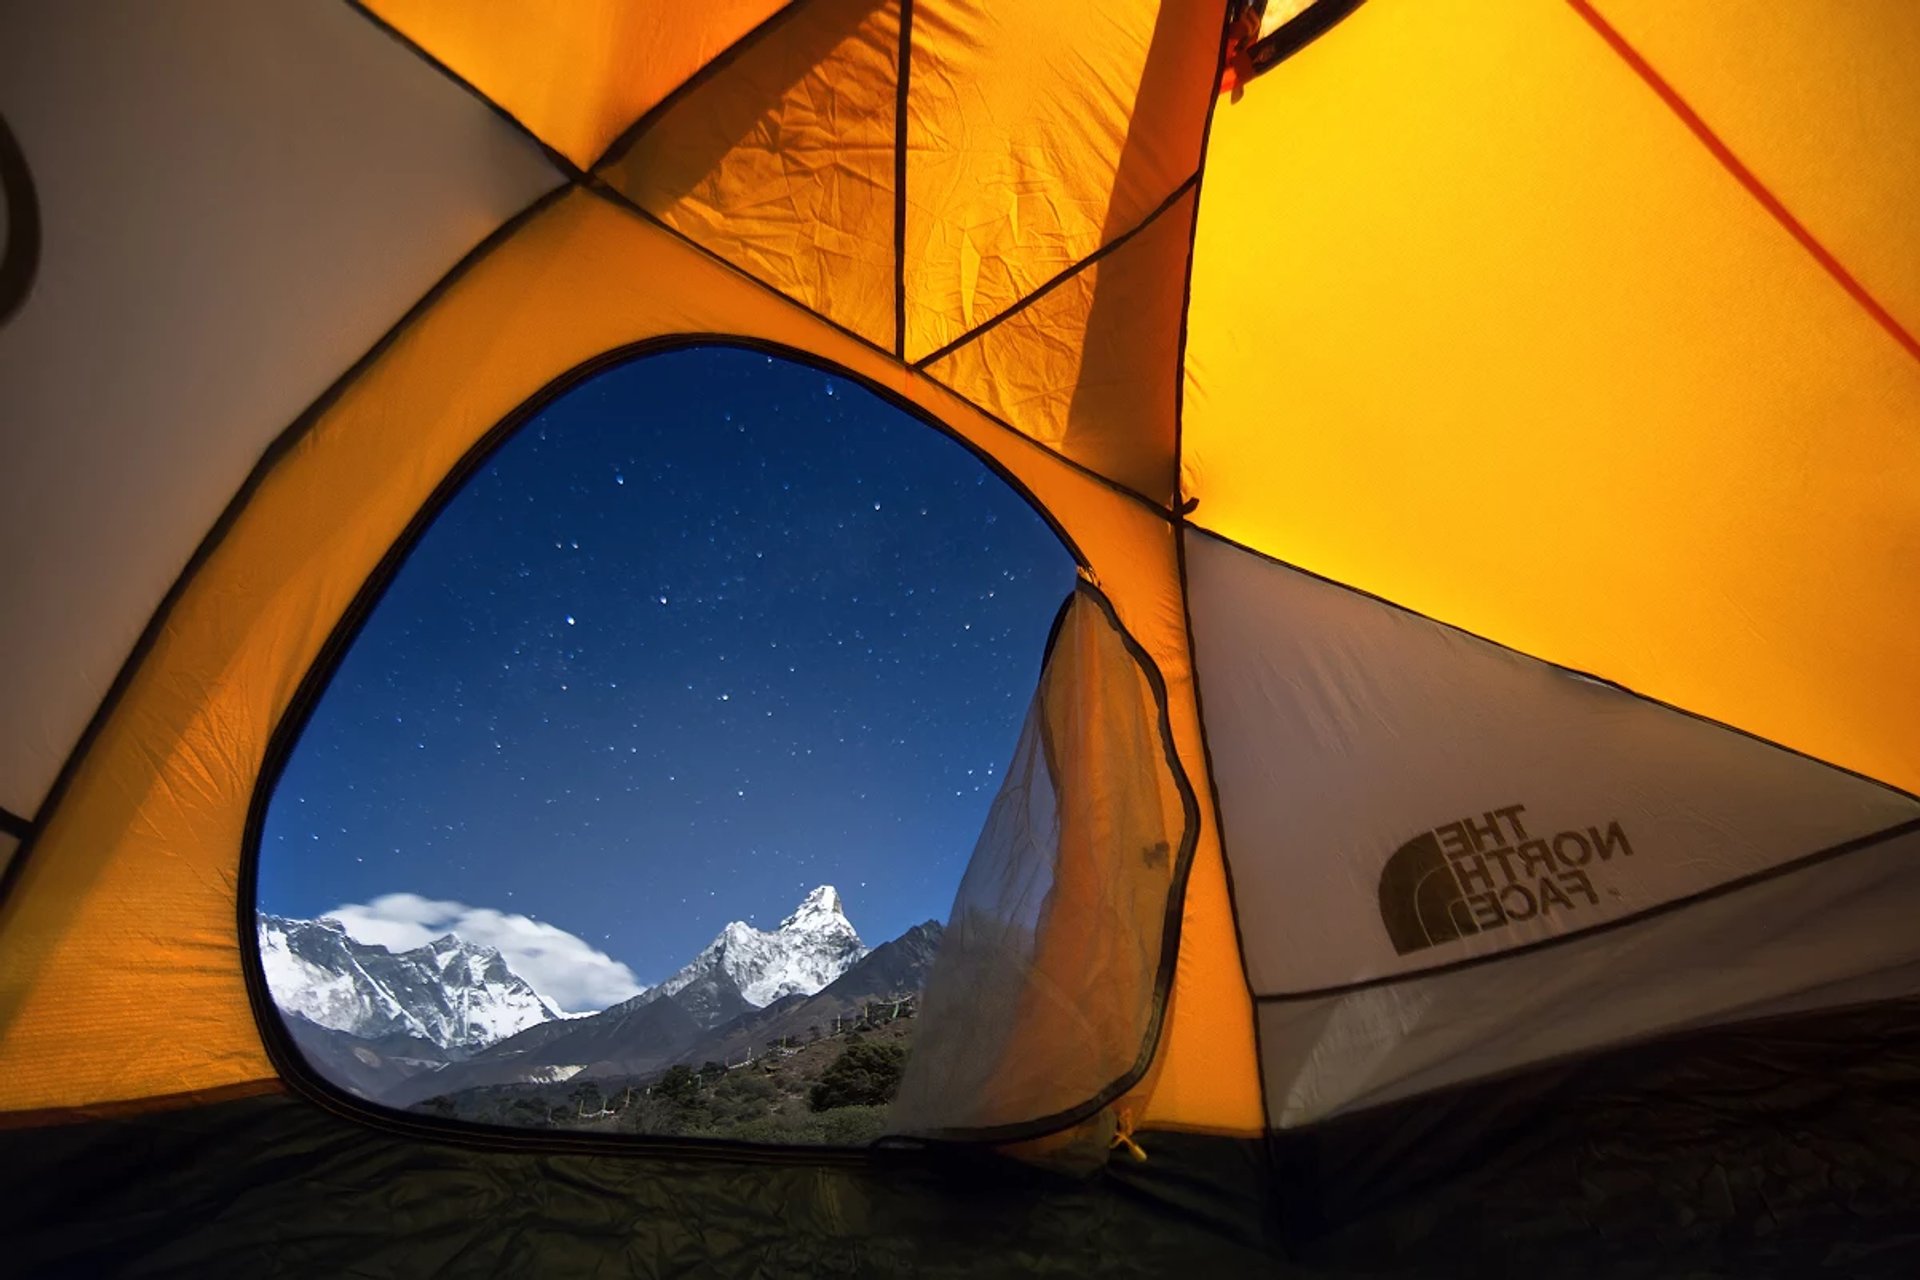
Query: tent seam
(1121, 490)
(1061, 277)
(620, 200)
(1186, 593)
(599, 186)
(903, 77)
(624, 141)
(1745, 176)
(559, 159)
(1219, 820)
(1561, 667)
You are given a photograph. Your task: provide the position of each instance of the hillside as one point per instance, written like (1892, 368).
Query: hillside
(767, 1099)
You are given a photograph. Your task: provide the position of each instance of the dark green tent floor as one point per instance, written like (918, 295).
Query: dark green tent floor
(1781, 1150)
(281, 1187)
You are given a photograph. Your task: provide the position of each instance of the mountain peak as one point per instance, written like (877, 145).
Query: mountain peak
(812, 947)
(821, 907)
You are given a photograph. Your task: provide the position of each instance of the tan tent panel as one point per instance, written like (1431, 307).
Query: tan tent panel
(1473, 786)
(136, 396)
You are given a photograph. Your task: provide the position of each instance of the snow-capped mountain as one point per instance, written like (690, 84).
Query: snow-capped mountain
(812, 947)
(353, 1003)
(449, 992)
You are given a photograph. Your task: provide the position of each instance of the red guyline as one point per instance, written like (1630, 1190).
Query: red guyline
(1746, 177)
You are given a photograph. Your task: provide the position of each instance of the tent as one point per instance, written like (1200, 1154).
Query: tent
(1485, 744)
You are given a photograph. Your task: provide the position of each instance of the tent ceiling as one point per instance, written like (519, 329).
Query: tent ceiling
(1540, 366)
(1759, 72)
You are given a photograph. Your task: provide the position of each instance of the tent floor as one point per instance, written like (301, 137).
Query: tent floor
(1787, 1147)
(1784, 1149)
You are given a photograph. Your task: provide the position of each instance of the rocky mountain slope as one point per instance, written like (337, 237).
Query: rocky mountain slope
(892, 970)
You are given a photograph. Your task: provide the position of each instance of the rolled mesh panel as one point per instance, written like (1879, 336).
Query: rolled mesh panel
(1045, 997)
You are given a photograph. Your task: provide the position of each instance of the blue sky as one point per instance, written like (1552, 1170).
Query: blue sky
(712, 630)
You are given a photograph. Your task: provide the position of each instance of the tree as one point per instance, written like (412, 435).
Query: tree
(528, 1113)
(679, 1086)
(711, 1071)
(865, 1074)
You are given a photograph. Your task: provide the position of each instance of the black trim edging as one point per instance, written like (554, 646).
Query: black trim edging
(1298, 32)
(20, 259)
(903, 78)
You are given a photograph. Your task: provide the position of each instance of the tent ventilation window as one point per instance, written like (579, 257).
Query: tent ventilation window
(638, 795)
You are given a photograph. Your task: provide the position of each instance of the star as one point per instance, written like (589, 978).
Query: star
(793, 524)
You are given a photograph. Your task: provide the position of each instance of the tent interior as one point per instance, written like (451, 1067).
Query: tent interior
(1468, 816)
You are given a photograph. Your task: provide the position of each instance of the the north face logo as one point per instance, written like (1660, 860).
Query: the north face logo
(1487, 872)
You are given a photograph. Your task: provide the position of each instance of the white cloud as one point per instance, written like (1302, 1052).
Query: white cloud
(562, 967)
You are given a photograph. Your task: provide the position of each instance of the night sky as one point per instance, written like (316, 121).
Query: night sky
(710, 631)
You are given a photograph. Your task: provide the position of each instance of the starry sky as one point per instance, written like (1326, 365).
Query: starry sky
(713, 629)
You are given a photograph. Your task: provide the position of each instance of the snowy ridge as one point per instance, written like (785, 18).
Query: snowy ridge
(460, 995)
(812, 947)
(449, 992)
